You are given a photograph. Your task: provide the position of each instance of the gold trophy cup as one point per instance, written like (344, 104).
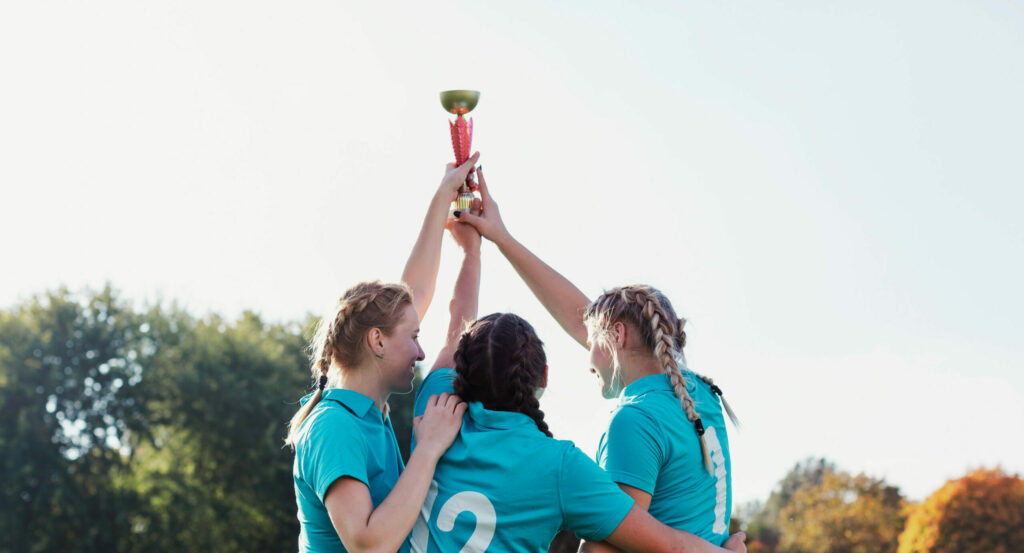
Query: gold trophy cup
(459, 103)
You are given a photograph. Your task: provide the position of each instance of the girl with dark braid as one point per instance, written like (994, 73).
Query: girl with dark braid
(353, 492)
(666, 445)
(505, 485)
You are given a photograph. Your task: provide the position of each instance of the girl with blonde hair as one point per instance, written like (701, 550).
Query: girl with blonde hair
(506, 485)
(352, 489)
(666, 445)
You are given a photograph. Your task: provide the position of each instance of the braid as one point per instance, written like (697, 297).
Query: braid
(524, 384)
(664, 349)
(500, 363)
(718, 392)
(341, 337)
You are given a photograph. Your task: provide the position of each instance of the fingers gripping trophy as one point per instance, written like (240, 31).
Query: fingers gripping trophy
(459, 103)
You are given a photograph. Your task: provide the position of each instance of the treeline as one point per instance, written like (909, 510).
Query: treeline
(817, 508)
(149, 429)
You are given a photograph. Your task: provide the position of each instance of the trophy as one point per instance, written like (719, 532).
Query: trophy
(461, 102)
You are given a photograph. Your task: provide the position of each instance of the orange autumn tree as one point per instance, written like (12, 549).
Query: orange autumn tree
(983, 511)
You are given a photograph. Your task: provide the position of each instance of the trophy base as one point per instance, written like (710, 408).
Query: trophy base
(464, 202)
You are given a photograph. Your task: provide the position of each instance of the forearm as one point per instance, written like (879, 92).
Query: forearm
(421, 269)
(639, 532)
(598, 547)
(392, 520)
(463, 307)
(561, 298)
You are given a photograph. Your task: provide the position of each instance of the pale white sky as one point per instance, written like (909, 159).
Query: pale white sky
(829, 193)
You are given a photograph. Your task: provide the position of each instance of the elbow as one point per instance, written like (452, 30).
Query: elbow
(367, 543)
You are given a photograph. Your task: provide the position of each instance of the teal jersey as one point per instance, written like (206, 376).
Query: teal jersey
(505, 487)
(650, 445)
(344, 435)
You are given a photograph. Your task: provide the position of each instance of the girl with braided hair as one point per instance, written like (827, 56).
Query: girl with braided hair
(520, 485)
(353, 492)
(666, 444)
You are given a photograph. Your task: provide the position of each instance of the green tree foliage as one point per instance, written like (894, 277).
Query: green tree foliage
(69, 372)
(763, 530)
(843, 514)
(983, 511)
(148, 430)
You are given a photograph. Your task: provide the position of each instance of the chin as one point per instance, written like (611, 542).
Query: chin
(404, 388)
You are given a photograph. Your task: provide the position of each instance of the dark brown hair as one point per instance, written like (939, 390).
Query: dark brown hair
(500, 363)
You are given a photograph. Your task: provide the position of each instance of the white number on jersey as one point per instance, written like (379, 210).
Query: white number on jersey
(722, 493)
(473, 502)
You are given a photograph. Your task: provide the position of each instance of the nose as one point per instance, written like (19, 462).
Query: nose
(419, 353)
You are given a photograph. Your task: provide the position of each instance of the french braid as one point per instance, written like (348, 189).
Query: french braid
(500, 362)
(662, 333)
(340, 338)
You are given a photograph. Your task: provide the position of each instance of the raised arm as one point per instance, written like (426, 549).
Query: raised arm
(466, 296)
(560, 297)
(421, 269)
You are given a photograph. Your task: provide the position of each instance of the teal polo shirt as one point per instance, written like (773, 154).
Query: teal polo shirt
(505, 487)
(344, 435)
(650, 445)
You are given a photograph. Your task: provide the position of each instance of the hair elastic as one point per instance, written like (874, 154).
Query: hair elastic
(323, 382)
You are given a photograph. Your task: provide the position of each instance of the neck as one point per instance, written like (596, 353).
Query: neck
(366, 381)
(636, 365)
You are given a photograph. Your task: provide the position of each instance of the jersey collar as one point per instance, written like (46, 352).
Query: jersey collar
(653, 383)
(354, 401)
(498, 420)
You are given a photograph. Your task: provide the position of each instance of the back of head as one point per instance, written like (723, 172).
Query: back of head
(650, 313)
(644, 308)
(342, 335)
(500, 362)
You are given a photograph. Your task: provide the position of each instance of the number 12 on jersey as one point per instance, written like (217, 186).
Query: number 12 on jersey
(468, 501)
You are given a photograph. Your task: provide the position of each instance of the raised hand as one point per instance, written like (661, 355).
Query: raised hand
(488, 222)
(455, 177)
(466, 236)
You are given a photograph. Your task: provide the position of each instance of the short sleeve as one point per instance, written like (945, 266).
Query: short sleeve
(633, 451)
(592, 505)
(335, 447)
(436, 383)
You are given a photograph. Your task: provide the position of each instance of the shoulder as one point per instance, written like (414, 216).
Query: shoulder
(436, 383)
(634, 415)
(329, 421)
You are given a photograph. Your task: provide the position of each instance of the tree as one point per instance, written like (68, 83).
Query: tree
(982, 511)
(69, 369)
(843, 514)
(763, 528)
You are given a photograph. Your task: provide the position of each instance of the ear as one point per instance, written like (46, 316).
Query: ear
(544, 378)
(375, 341)
(620, 335)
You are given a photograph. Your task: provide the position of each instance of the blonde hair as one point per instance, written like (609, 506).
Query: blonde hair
(342, 336)
(661, 332)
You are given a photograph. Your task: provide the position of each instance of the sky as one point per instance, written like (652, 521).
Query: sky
(828, 192)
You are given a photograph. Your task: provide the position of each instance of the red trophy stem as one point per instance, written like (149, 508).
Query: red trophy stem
(462, 140)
